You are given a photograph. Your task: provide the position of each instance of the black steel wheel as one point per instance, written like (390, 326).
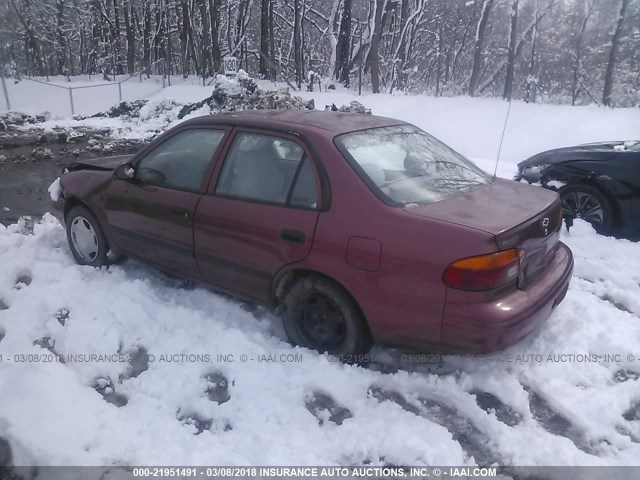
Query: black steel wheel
(320, 315)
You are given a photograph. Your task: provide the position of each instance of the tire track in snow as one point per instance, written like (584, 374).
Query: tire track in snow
(633, 413)
(619, 304)
(472, 440)
(556, 423)
(609, 288)
(492, 404)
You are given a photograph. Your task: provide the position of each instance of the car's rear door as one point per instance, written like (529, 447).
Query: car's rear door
(151, 216)
(259, 213)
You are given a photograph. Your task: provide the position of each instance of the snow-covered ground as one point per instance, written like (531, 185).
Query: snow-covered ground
(160, 394)
(540, 410)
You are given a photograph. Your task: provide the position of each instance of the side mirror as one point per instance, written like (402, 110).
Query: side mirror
(124, 172)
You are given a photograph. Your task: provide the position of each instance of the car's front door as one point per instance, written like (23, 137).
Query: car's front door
(151, 215)
(259, 213)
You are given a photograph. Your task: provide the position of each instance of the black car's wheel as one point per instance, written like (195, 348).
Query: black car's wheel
(86, 240)
(588, 203)
(321, 316)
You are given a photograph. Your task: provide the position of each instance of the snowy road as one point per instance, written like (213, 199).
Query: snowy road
(159, 393)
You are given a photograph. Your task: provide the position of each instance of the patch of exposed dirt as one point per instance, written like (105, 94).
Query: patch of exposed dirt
(31, 160)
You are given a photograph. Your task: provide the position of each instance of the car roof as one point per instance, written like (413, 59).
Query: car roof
(298, 120)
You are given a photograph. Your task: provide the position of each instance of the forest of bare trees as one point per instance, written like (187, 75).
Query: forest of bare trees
(563, 51)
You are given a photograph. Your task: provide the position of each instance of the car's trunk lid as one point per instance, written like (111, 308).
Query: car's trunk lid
(518, 215)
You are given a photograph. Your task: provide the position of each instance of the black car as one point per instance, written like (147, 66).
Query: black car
(598, 182)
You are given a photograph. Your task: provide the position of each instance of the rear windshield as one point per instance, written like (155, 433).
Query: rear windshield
(404, 165)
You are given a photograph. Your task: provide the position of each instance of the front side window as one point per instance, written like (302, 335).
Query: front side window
(405, 165)
(268, 169)
(181, 162)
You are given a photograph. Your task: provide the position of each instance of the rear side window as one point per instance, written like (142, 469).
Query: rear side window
(268, 169)
(305, 193)
(181, 161)
(404, 165)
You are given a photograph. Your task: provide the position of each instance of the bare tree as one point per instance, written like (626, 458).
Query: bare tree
(613, 54)
(579, 49)
(511, 58)
(531, 79)
(343, 46)
(264, 38)
(297, 42)
(479, 41)
(130, 35)
(377, 19)
(214, 33)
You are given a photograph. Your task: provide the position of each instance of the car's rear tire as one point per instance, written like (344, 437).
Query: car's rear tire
(88, 244)
(320, 315)
(588, 203)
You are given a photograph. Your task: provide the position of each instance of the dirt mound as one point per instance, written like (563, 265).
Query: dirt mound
(229, 95)
(242, 93)
(129, 109)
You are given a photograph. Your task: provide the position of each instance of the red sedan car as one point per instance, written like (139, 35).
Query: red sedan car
(359, 228)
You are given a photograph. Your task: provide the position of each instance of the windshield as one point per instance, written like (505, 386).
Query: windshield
(628, 146)
(405, 165)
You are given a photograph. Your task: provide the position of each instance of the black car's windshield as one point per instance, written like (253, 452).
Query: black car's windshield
(629, 146)
(406, 165)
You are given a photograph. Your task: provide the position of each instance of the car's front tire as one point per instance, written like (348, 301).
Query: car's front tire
(322, 316)
(88, 244)
(588, 203)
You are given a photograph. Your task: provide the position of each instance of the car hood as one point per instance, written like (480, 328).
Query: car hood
(587, 151)
(494, 208)
(100, 163)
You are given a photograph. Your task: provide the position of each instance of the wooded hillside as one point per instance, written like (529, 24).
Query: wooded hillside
(564, 51)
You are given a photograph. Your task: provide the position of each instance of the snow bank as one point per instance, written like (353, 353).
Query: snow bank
(55, 190)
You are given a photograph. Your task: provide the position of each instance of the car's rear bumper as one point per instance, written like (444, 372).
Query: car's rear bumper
(473, 323)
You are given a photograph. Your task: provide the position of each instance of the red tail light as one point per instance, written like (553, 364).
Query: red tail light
(484, 272)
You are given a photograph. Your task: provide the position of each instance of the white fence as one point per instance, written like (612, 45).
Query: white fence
(82, 96)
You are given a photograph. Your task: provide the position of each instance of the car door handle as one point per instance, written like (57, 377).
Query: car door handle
(181, 212)
(295, 236)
